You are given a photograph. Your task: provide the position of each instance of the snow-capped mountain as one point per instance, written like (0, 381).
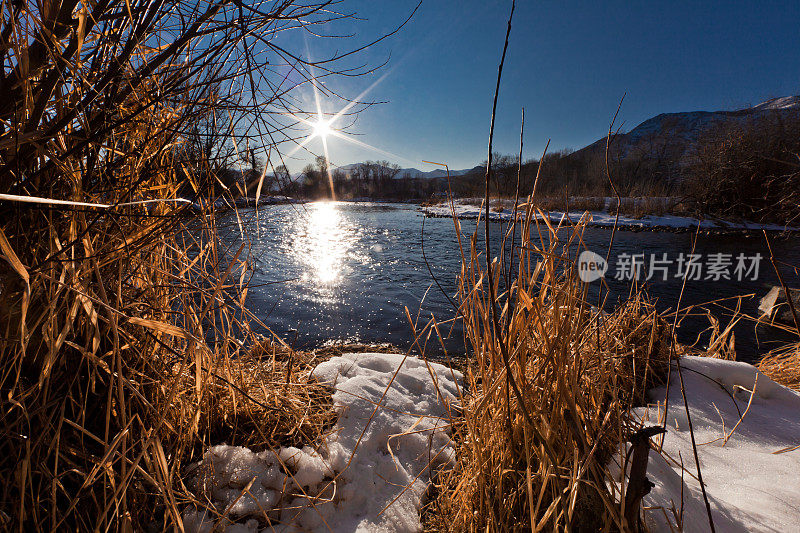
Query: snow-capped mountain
(784, 102)
(416, 173)
(680, 131)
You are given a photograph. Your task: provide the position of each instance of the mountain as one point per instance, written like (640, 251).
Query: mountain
(437, 173)
(678, 133)
(784, 102)
(416, 173)
(668, 137)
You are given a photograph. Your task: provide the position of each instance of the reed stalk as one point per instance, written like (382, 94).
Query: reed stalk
(126, 344)
(579, 371)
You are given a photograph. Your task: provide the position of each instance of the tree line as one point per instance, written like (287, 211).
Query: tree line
(379, 180)
(745, 168)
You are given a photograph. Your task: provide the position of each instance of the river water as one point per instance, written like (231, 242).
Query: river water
(339, 271)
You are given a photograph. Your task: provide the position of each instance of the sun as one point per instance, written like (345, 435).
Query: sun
(322, 128)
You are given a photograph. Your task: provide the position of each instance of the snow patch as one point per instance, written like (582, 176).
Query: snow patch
(753, 479)
(783, 102)
(371, 473)
(600, 218)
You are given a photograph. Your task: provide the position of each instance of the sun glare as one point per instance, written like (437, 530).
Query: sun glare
(322, 129)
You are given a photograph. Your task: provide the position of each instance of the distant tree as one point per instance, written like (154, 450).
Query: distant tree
(503, 173)
(322, 163)
(315, 182)
(341, 184)
(283, 180)
(358, 181)
(749, 170)
(383, 176)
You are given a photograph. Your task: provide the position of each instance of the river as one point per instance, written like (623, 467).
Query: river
(342, 271)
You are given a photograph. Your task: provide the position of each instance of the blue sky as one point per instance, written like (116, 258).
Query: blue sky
(568, 64)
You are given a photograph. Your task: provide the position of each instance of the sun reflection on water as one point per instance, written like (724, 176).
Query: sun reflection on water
(323, 240)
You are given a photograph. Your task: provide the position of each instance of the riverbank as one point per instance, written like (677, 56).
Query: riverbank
(224, 203)
(401, 428)
(503, 211)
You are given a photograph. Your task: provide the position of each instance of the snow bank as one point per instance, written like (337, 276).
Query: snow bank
(370, 475)
(603, 219)
(250, 201)
(752, 481)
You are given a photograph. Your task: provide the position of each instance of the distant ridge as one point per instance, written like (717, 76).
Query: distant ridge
(437, 173)
(416, 173)
(783, 102)
(679, 131)
(682, 130)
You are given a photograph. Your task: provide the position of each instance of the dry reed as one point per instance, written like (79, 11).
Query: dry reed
(125, 341)
(783, 365)
(534, 445)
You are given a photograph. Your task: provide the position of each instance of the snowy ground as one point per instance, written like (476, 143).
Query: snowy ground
(605, 219)
(753, 479)
(372, 472)
(370, 475)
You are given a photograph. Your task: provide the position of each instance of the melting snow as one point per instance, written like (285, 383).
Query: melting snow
(370, 475)
(603, 219)
(753, 480)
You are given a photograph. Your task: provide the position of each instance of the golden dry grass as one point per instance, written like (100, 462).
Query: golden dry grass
(124, 338)
(127, 367)
(533, 450)
(550, 390)
(783, 366)
(126, 345)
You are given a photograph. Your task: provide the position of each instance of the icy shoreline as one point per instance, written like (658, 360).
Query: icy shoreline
(602, 219)
(372, 471)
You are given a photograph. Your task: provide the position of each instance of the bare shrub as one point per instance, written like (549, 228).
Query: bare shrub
(749, 170)
(587, 203)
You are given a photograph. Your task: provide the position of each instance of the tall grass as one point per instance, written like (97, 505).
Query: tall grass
(551, 386)
(549, 394)
(126, 346)
(125, 353)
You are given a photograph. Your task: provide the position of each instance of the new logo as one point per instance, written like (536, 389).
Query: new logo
(591, 266)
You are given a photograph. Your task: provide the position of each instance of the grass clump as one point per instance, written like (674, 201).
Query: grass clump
(549, 393)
